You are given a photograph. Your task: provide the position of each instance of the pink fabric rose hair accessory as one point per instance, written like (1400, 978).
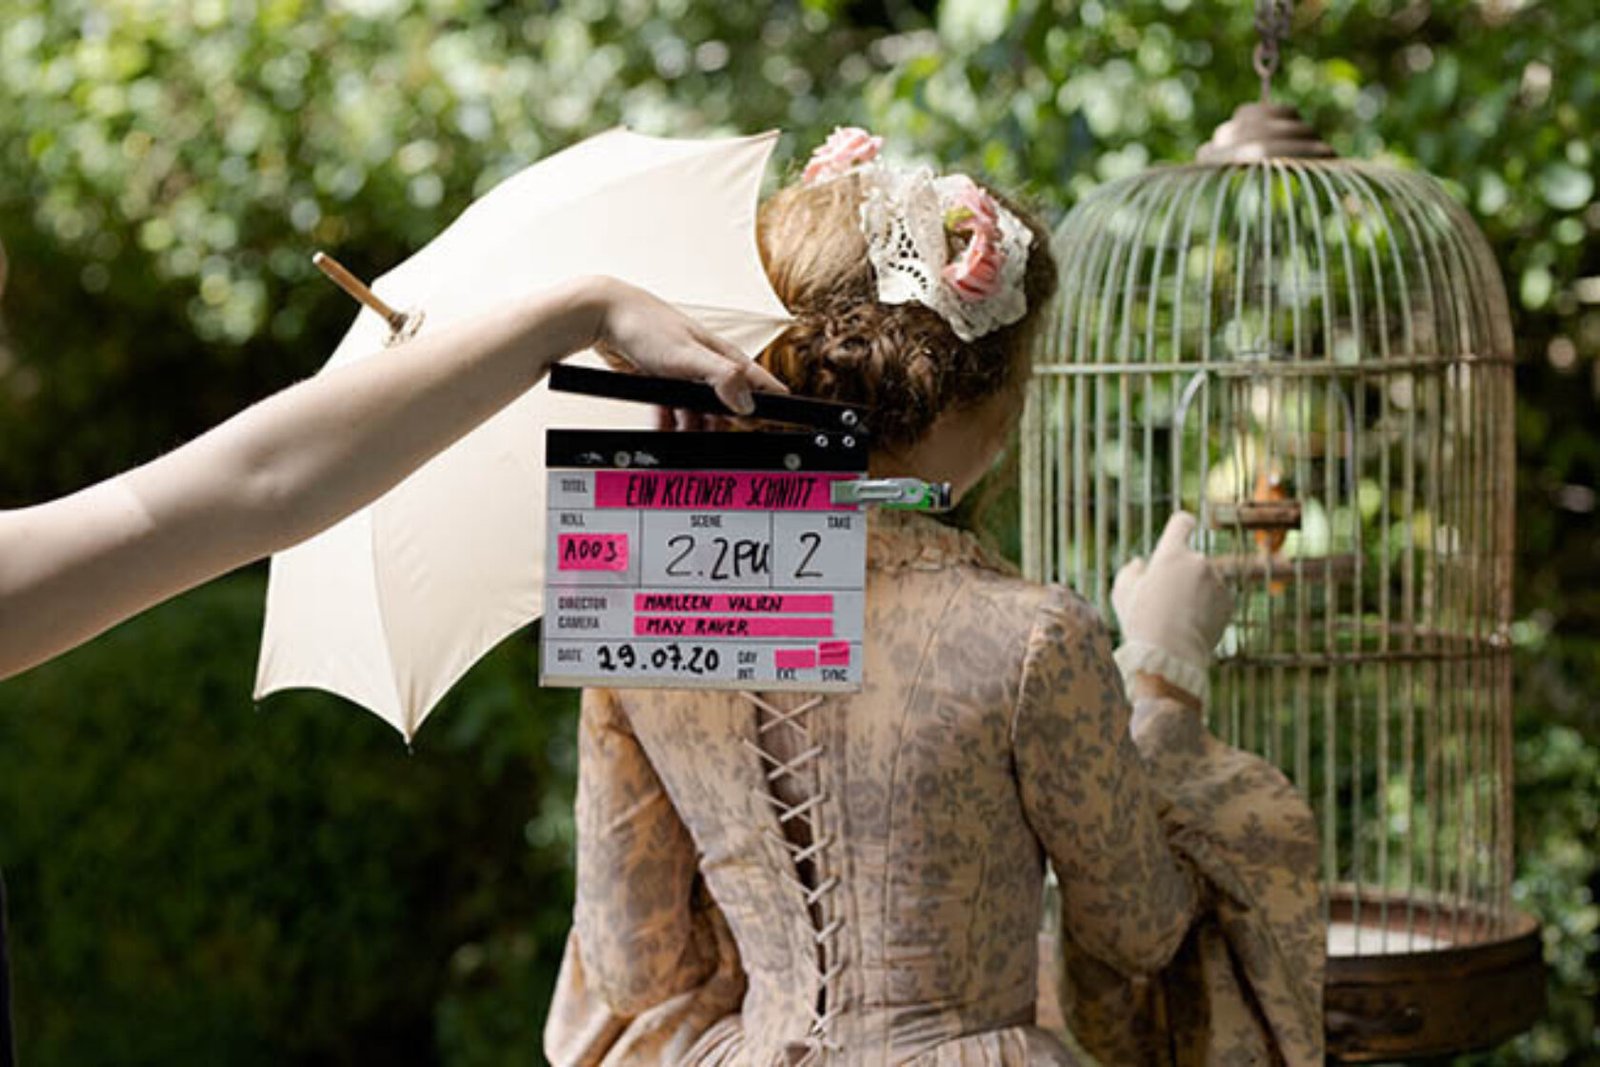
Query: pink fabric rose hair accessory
(970, 209)
(975, 274)
(845, 149)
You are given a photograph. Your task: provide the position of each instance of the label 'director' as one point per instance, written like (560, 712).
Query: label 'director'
(702, 580)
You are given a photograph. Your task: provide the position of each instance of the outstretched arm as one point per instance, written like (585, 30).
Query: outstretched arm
(302, 459)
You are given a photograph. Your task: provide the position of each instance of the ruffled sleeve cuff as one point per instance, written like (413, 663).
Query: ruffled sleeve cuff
(1135, 656)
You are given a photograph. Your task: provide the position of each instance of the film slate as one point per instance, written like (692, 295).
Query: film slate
(704, 560)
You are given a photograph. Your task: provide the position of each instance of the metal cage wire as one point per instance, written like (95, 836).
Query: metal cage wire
(1315, 356)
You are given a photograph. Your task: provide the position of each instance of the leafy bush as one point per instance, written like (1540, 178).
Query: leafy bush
(196, 882)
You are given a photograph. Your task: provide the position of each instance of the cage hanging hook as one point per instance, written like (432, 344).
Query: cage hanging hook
(1273, 19)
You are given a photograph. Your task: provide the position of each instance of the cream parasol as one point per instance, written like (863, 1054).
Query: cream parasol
(391, 606)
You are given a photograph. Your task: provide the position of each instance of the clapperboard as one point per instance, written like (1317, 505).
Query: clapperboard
(709, 560)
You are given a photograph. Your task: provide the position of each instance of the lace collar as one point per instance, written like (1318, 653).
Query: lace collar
(898, 539)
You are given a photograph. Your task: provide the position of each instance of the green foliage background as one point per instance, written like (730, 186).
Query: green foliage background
(198, 883)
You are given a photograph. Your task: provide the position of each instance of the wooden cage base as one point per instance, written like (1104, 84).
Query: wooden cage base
(1456, 997)
(1392, 1005)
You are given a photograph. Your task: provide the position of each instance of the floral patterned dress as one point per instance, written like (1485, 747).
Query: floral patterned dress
(784, 879)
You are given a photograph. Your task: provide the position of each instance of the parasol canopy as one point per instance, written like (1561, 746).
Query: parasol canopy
(391, 606)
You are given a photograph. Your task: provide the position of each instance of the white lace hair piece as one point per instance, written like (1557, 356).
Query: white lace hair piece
(903, 213)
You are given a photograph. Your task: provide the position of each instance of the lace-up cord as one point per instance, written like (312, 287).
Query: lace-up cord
(800, 818)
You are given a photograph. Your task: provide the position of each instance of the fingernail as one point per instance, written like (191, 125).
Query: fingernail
(743, 403)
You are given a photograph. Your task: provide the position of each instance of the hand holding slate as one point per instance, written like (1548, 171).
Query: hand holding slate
(693, 398)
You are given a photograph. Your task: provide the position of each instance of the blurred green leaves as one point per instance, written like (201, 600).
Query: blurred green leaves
(193, 882)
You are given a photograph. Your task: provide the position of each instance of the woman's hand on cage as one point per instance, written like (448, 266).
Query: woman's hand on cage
(1172, 609)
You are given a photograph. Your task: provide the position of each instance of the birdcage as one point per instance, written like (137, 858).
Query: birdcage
(1314, 355)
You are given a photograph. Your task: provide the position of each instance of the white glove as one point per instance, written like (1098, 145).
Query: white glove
(1172, 610)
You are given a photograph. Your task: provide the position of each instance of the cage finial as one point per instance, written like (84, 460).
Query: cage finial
(1273, 18)
(1265, 130)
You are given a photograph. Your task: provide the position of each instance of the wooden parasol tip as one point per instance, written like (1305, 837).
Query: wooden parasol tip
(347, 281)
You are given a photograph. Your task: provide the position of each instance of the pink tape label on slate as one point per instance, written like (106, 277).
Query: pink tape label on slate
(834, 653)
(769, 603)
(794, 659)
(592, 552)
(717, 491)
(737, 626)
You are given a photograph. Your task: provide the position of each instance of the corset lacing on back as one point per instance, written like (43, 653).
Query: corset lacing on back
(788, 755)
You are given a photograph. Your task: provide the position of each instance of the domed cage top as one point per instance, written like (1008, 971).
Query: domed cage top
(1315, 357)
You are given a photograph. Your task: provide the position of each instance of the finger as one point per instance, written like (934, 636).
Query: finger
(665, 418)
(734, 391)
(1125, 588)
(724, 348)
(1129, 575)
(762, 379)
(1221, 593)
(756, 376)
(1175, 538)
(1127, 578)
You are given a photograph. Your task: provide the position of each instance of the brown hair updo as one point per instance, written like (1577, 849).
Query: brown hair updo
(902, 360)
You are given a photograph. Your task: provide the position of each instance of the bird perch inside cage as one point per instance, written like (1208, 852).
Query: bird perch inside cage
(1314, 355)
